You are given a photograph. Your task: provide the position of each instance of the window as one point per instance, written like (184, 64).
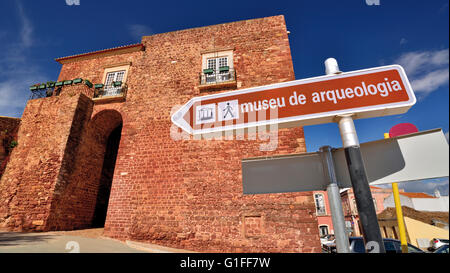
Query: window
(323, 230)
(320, 204)
(217, 67)
(413, 249)
(216, 63)
(358, 246)
(114, 74)
(223, 61)
(220, 70)
(390, 247)
(355, 207)
(111, 77)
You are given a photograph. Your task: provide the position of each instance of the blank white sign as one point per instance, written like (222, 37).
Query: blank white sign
(412, 157)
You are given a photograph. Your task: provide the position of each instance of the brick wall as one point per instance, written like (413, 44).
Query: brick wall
(187, 193)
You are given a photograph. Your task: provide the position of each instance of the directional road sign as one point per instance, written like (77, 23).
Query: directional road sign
(366, 93)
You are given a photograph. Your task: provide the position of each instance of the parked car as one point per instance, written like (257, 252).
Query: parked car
(442, 249)
(327, 239)
(390, 245)
(437, 243)
(328, 242)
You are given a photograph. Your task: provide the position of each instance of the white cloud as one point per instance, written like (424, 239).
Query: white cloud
(419, 61)
(137, 31)
(17, 71)
(27, 29)
(427, 186)
(430, 81)
(427, 70)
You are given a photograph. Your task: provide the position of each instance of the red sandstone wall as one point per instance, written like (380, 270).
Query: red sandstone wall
(74, 194)
(188, 193)
(27, 186)
(10, 124)
(8, 132)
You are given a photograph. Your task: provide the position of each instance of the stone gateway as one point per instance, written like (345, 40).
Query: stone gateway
(98, 151)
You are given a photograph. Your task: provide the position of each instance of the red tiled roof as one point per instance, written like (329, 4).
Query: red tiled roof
(416, 195)
(98, 51)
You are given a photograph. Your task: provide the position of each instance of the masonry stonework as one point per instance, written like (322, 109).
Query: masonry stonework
(8, 133)
(183, 193)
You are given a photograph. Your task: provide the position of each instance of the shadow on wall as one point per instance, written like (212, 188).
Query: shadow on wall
(109, 163)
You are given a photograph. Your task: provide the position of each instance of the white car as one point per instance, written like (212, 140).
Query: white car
(437, 243)
(328, 242)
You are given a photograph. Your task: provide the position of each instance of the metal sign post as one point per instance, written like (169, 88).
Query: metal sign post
(367, 93)
(417, 156)
(334, 198)
(363, 196)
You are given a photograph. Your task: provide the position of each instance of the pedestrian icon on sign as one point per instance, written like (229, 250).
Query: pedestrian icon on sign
(228, 110)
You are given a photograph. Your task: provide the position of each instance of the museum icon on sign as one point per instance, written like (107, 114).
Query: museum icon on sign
(205, 113)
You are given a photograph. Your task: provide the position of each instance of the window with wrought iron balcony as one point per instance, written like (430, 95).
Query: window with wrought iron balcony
(222, 75)
(114, 87)
(218, 71)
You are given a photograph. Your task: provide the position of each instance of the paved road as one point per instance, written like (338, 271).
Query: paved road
(14, 242)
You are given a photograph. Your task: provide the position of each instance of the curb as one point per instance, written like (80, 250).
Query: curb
(155, 248)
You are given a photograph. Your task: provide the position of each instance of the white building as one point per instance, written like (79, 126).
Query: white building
(420, 201)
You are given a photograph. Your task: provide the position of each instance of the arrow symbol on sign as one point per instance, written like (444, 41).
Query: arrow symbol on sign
(366, 93)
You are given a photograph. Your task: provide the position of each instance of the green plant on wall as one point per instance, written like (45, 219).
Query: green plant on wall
(8, 141)
(50, 84)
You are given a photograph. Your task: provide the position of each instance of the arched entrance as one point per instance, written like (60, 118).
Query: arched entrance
(109, 162)
(107, 128)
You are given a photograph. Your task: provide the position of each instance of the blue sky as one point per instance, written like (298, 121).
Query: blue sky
(411, 33)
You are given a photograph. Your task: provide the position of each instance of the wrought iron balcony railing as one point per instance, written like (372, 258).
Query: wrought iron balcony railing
(110, 91)
(209, 76)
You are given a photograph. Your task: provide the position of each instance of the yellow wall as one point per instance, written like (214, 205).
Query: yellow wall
(417, 230)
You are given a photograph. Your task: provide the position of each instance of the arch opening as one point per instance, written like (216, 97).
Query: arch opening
(104, 189)
(106, 130)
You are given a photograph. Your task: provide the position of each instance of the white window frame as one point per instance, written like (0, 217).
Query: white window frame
(325, 226)
(109, 89)
(317, 206)
(215, 60)
(216, 55)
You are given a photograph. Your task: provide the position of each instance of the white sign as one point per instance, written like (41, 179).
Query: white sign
(412, 157)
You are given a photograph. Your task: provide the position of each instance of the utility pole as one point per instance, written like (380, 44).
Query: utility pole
(363, 197)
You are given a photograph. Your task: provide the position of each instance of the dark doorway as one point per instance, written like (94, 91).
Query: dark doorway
(104, 190)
